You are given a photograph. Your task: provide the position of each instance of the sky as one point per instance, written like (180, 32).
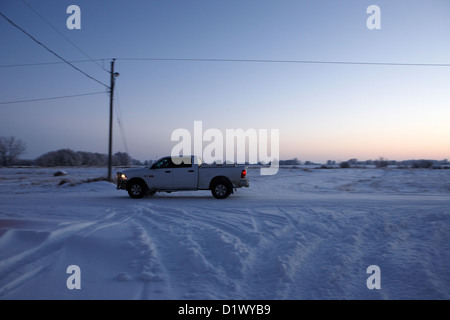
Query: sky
(231, 65)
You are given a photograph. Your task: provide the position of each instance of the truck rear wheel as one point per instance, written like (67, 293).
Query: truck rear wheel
(136, 189)
(221, 189)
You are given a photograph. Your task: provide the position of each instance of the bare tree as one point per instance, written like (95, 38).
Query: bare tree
(381, 163)
(10, 149)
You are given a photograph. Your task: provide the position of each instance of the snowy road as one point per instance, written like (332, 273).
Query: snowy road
(302, 234)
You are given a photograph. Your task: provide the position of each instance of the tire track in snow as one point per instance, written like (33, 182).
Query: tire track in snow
(180, 256)
(20, 267)
(238, 248)
(36, 255)
(254, 253)
(17, 282)
(147, 262)
(331, 259)
(195, 254)
(274, 260)
(287, 262)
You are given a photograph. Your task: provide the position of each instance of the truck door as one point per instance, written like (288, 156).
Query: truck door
(185, 175)
(160, 175)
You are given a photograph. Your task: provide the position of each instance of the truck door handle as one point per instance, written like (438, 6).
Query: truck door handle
(168, 171)
(191, 171)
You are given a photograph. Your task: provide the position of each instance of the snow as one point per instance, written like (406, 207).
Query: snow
(304, 233)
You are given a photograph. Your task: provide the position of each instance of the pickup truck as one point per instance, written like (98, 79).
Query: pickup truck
(186, 173)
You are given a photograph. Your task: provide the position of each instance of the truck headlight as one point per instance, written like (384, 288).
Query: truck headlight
(121, 176)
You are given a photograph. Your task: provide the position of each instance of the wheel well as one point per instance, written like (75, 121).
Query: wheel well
(133, 180)
(221, 179)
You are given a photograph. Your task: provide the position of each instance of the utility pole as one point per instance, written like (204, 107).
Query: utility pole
(111, 98)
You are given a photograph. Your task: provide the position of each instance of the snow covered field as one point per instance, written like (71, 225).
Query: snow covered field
(301, 234)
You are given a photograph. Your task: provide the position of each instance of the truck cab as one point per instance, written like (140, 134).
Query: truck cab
(173, 175)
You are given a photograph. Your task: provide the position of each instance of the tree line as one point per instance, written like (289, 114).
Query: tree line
(68, 157)
(11, 148)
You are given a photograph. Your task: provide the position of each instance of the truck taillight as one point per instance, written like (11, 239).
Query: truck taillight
(243, 174)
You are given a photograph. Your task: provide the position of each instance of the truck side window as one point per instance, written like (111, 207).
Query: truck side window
(184, 165)
(164, 163)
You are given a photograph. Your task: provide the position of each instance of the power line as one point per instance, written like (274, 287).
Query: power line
(120, 121)
(53, 98)
(62, 35)
(51, 51)
(241, 60)
(45, 63)
(291, 61)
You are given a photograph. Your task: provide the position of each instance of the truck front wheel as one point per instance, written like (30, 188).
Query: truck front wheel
(136, 189)
(221, 189)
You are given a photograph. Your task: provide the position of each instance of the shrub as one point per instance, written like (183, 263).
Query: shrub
(344, 164)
